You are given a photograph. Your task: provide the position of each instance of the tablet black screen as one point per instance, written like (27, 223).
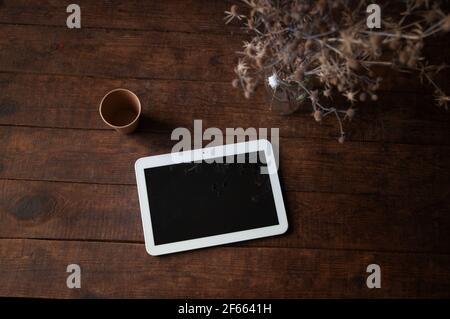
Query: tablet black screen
(193, 200)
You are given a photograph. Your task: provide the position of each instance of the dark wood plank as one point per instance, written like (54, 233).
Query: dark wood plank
(308, 165)
(348, 205)
(333, 221)
(140, 54)
(71, 102)
(205, 16)
(118, 53)
(33, 268)
(69, 211)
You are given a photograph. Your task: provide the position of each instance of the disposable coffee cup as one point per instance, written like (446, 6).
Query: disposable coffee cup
(120, 109)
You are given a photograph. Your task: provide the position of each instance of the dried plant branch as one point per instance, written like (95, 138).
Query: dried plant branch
(314, 50)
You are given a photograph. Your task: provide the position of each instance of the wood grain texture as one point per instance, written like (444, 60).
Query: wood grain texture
(67, 185)
(143, 54)
(188, 16)
(68, 211)
(71, 102)
(305, 165)
(117, 53)
(37, 268)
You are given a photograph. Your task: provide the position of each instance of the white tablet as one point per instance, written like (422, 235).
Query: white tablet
(210, 196)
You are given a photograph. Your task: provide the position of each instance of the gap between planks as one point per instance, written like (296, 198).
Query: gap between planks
(134, 185)
(162, 132)
(426, 92)
(236, 245)
(230, 33)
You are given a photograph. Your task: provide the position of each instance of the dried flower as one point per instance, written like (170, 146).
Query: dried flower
(318, 115)
(273, 81)
(443, 100)
(350, 113)
(319, 48)
(446, 23)
(232, 14)
(241, 68)
(353, 64)
(314, 97)
(351, 96)
(299, 74)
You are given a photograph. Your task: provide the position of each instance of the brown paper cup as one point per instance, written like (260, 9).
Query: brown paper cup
(120, 109)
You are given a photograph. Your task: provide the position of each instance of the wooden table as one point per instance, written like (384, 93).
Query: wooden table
(67, 185)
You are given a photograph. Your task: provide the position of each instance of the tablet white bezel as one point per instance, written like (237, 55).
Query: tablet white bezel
(205, 154)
